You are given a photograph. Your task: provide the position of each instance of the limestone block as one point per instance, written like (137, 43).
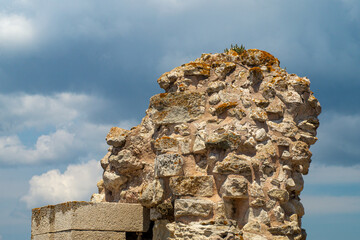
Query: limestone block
(88, 216)
(252, 236)
(215, 87)
(184, 145)
(177, 107)
(193, 207)
(279, 194)
(81, 235)
(196, 69)
(117, 136)
(300, 152)
(192, 185)
(279, 213)
(255, 57)
(214, 99)
(260, 135)
(234, 187)
(257, 215)
(152, 194)
(113, 181)
(125, 162)
(287, 128)
(223, 68)
(199, 143)
(95, 198)
(169, 164)
(166, 144)
(234, 164)
(258, 114)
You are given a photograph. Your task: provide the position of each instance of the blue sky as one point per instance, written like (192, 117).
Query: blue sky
(70, 70)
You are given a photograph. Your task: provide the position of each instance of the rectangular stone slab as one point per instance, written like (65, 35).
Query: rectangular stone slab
(81, 235)
(122, 217)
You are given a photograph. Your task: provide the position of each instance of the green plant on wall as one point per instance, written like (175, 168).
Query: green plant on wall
(236, 48)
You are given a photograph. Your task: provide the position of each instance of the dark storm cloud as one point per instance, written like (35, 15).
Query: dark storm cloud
(118, 49)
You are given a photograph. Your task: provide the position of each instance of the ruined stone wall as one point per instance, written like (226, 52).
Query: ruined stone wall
(220, 154)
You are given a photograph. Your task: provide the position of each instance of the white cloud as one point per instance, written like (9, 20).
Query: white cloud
(72, 133)
(80, 141)
(331, 204)
(322, 174)
(40, 111)
(16, 31)
(47, 148)
(78, 182)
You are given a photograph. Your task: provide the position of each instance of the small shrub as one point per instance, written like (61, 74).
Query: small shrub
(236, 48)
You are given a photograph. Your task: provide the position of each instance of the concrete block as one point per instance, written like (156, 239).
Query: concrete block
(122, 217)
(81, 235)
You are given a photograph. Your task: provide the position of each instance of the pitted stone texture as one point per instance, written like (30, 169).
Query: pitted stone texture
(193, 207)
(113, 181)
(81, 235)
(192, 186)
(125, 162)
(234, 164)
(167, 165)
(234, 187)
(117, 137)
(176, 107)
(152, 194)
(89, 216)
(203, 231)
(234, 129)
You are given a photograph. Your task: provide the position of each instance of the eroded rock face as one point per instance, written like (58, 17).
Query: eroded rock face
(220, 154)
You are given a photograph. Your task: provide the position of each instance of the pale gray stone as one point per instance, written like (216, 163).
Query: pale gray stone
(199, 143)
(113, 181)
(90, 216)
(257, 215)
(169, 164)
(214, 99)
(193, 207)
(152, 194)
(260, 135)
(125, 162)
(234, 187)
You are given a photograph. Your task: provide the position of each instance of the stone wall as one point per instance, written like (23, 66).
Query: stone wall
(220, 154)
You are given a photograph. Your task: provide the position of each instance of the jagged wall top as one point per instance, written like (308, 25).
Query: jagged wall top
(221, 62)
(226, 144)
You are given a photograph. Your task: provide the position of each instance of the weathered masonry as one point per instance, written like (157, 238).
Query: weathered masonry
(220, 154)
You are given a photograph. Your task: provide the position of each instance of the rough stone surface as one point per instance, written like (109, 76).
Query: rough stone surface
(90, 217)
(167, 165)
(81, 235)
(192, 186)
(232, 130)
(235, 187)
(116, 137)
(193, 207)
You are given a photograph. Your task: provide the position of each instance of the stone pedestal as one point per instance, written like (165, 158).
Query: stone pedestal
(85, 220)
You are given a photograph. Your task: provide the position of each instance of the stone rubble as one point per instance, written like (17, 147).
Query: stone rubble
(220, 154)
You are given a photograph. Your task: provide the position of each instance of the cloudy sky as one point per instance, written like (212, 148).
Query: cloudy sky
(70, 70)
